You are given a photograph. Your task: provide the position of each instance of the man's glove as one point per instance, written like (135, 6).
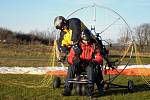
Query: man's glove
(93, 63)
(111, 65)
(63, 49)
(76, 49)
(62, 57)
(76, 60)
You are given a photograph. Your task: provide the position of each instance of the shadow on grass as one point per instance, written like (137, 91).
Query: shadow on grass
(141, 87)
(115, 91)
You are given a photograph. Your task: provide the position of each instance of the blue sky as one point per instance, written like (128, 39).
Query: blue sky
(27, 15)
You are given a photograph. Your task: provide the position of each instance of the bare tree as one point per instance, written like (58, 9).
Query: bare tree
(6, 35)
(142, 34)
(125, 36)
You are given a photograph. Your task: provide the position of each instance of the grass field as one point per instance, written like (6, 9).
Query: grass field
(36, 55)
(24, 55)
(28, 87)
(10, 90)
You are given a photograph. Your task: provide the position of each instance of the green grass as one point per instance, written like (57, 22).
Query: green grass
(28, 87)
(24, 51)
(21, 91)
(144, 60)
(37, 55)
(24, 55)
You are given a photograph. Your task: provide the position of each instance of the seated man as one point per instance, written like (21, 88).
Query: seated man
(89, 54)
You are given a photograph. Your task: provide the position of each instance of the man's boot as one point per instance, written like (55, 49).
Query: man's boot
(101, 90)
(89, 91)
(67, 91)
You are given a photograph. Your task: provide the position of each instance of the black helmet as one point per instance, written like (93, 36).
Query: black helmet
(59, 22)
(86, 35)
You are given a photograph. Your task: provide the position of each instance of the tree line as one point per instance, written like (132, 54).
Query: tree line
(33, 37)
(141, 35)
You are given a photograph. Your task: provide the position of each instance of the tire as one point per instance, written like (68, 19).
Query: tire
(78, 89)
(56, 82)
(106, 86)
(83, 89)
(130, 86)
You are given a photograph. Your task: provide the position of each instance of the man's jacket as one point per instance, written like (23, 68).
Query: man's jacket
(72, 34)
(89, 52)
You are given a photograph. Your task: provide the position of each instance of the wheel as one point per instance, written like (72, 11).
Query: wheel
(83, 89)
(130, 86)
(56, 82)
(106, 86)
(78, 89)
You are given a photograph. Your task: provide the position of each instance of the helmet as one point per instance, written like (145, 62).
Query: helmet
(59, 22)
(86, 35)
